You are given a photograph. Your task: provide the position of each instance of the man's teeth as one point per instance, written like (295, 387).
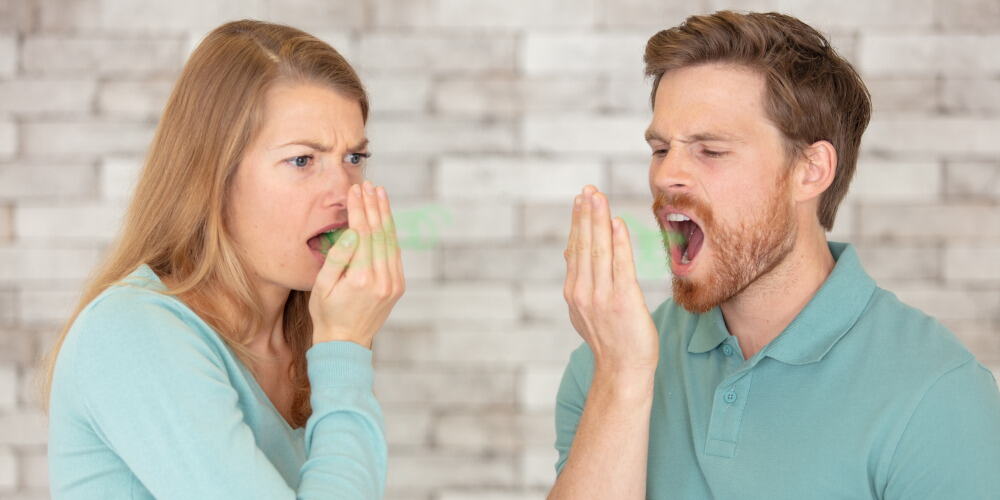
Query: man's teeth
(684, 257)
(674, 217)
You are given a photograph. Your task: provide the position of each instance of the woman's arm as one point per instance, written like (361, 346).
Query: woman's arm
(157, 393)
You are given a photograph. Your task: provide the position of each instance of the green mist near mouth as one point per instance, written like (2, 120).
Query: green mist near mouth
(327, 240)
(676, 238)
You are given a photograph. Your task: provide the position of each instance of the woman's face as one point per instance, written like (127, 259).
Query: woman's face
(292, 182)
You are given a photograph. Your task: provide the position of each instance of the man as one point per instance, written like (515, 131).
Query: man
(779, 369)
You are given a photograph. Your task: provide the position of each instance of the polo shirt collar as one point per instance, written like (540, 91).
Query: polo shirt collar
(829, 315)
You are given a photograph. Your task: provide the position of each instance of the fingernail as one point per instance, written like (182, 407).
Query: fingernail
(349, 238)
(594, 200)
(616, 223)
(381, 192)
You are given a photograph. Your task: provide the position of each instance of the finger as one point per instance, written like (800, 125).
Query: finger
(584, 268)
(378, 234)
(358, 220)
(570, 253)
(624, 266)
(393, 254)
(336, 261)
(600, 248)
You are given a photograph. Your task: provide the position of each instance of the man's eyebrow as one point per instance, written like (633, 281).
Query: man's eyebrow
(319, 146)
(699, 137)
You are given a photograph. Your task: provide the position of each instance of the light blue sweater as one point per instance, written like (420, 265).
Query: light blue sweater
(147, 401)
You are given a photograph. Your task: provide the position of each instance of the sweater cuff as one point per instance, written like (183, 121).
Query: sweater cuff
(339, 363)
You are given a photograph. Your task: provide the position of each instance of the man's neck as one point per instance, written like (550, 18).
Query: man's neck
(764, 309)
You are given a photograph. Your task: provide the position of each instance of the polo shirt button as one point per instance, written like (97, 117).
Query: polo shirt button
(731, 397)
(727, 350)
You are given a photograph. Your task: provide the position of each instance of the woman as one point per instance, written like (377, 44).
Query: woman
(223, 348)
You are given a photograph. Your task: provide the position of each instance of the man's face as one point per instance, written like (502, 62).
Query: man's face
(718, 161)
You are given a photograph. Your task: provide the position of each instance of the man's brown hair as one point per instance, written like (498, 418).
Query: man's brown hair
(811, 92)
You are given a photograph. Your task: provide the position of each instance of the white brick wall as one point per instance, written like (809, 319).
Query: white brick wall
(487, 117)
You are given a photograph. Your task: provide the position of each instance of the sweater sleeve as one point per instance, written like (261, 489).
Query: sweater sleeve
(158, 394)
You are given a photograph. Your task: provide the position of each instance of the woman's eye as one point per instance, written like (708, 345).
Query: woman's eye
(356, 158)
(300, 161)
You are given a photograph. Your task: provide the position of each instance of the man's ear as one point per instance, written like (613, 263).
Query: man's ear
(816, 169)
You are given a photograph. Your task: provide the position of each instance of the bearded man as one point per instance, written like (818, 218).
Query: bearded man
(779, 369)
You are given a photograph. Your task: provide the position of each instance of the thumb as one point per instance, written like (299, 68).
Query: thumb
(337, 259)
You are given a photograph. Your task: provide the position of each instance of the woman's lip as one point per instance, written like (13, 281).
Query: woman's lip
(328, 228)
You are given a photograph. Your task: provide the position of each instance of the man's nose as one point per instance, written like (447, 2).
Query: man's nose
(671, 172)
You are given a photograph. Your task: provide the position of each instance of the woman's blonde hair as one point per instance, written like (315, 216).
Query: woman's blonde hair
(176, 221)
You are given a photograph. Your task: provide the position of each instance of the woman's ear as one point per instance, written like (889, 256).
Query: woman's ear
(816, 170)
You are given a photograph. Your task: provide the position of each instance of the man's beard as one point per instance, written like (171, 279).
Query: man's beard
(740, 256)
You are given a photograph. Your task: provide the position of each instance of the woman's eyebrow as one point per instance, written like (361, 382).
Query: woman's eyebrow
(310, 143)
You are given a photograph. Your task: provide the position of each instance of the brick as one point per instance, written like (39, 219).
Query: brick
(949, 302)
(8, 54)
(426, 470)
(969, 181)
(979, 336)
(17, 344)
(86, 222)
(491, 433)
(6, 224)
(644, 14)
(587, 53)
(515, 95)
(85, 139)
(971, 96)
(29, 390)
(20, 264)
(538, 465)
(8, 387)
(911, 54)
(133, 99)
(47, 307)
(420, 264)
(62, 55)
(16, 16)
(403, 176)
(526, 264)
(630, 178)
(901, 262)
(8, 469)
(488, 14)
(538, 384)
(312, 14)
(886, 181)
(407, 427)
(20, 182)
(343, 41)
(8, 306)
(24, 428)
(597, 134)
(478, 178)
(144, 17)
(932, 135)
(422, 52)
(954, 222)
(118, 177)
(395, 93)
(454, 302)
(429, 135)
(484, 346)
(467, 389)
(890, 95)
(38, 97)
(543, 302)
(629, 93)
(426, 225)
(966, 263)
(34, 469)
(8, 139)
(967, 14)
(874, 15)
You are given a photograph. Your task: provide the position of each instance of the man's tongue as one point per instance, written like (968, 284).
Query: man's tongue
(695, 239)
(688, 238)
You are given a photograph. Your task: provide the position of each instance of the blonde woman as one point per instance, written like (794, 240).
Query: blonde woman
(223, 348)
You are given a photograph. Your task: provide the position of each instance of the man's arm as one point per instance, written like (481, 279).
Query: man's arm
(951, 445)
(608, 450)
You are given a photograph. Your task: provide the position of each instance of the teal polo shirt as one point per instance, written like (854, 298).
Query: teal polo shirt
(860, 397)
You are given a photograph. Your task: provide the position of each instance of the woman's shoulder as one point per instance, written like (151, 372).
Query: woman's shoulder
(134, 319)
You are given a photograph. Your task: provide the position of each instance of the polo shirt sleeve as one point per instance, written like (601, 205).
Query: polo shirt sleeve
(570, 400)
(950, 448)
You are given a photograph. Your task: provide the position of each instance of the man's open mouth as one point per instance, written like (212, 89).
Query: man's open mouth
(684, 237)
